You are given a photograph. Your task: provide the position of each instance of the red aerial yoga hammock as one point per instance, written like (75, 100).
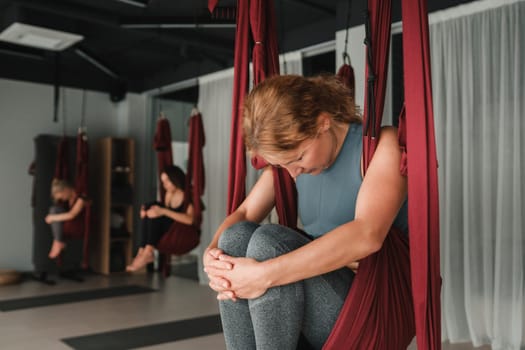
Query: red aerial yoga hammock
(162, 145)
(260, 16)
(195, 178)
(380, 311)
(181, 238)
(80, 226)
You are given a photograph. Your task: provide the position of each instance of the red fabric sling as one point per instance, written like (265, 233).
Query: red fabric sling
(265, 64)
(378, 312)
(162, 145)
(195, 177)
(81, 165)
(80, 226)
(346, 74)
(394, 328)
(62, 163)
(237, 161)
(181, 238)
(260, 15)
(423, 206)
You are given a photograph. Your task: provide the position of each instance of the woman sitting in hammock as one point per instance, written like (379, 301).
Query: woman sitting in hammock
(157, 218)
(272, 282)
(66, 215)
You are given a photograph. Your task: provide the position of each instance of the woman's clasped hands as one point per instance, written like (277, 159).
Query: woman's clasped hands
(234, 278)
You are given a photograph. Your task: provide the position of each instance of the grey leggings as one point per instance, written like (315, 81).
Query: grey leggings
(57, 227)
(275, 320)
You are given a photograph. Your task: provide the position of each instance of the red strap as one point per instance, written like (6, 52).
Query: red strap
(423, 205)
(87, 229)
(81, 165)
(62, 163)
(237, 162)
(162, 145)
(195, 177)
(212, 4)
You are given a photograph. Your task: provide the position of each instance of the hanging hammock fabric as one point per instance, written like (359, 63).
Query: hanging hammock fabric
(422, 309)
(212, 4)
(265, 59)
(195, 177)
(423, 206)
(81, 187)
(258, 15)
(347, 76)
(265, 56)
(180, 238)
(162, 145)
(82, 162)
(378, 311)
(237, 161)
(62, 164)
(80, 226)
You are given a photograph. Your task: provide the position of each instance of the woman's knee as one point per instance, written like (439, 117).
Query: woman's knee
(56, 209)
(234, 240)
(272, 240)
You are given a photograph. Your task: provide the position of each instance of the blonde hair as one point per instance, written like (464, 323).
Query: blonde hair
(282, 111)
(58, 185)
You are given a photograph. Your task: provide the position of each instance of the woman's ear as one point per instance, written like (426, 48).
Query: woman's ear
(325, 121)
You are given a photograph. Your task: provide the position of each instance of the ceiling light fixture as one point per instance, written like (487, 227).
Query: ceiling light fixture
(40, 37)
(136, 3)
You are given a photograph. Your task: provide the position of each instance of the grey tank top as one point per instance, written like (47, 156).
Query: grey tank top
(328, 200)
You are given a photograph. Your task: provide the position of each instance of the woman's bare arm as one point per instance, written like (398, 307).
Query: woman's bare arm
(72, 213)
(183, 218)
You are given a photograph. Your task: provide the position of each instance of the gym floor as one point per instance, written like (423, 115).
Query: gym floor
(172, 313)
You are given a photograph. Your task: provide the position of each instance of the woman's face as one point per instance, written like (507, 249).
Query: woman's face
(166, 183)
(62, 195)
(312, 156)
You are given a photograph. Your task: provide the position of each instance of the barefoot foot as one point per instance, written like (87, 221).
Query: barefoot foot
(56, 248)
(144, 257)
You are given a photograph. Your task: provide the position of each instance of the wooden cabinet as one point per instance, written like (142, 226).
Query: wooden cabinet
(112, 238)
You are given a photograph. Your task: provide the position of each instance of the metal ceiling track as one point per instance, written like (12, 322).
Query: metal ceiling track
(136, 3)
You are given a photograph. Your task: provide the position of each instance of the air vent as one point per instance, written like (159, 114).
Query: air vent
(42, 38)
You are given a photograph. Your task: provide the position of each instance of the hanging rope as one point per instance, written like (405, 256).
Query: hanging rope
(159, 104)
(370, 84)
(346, 72)
(346, 56)
(82, 127)
(56, 99)
(281, 35)
(64, 126)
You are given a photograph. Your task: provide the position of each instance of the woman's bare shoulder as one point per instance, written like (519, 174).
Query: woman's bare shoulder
(388, 137)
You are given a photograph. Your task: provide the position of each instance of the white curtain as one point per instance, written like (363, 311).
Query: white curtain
(478, 82)
(215, 105)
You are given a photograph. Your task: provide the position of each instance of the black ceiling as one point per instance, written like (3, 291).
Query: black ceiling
(137, 60)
